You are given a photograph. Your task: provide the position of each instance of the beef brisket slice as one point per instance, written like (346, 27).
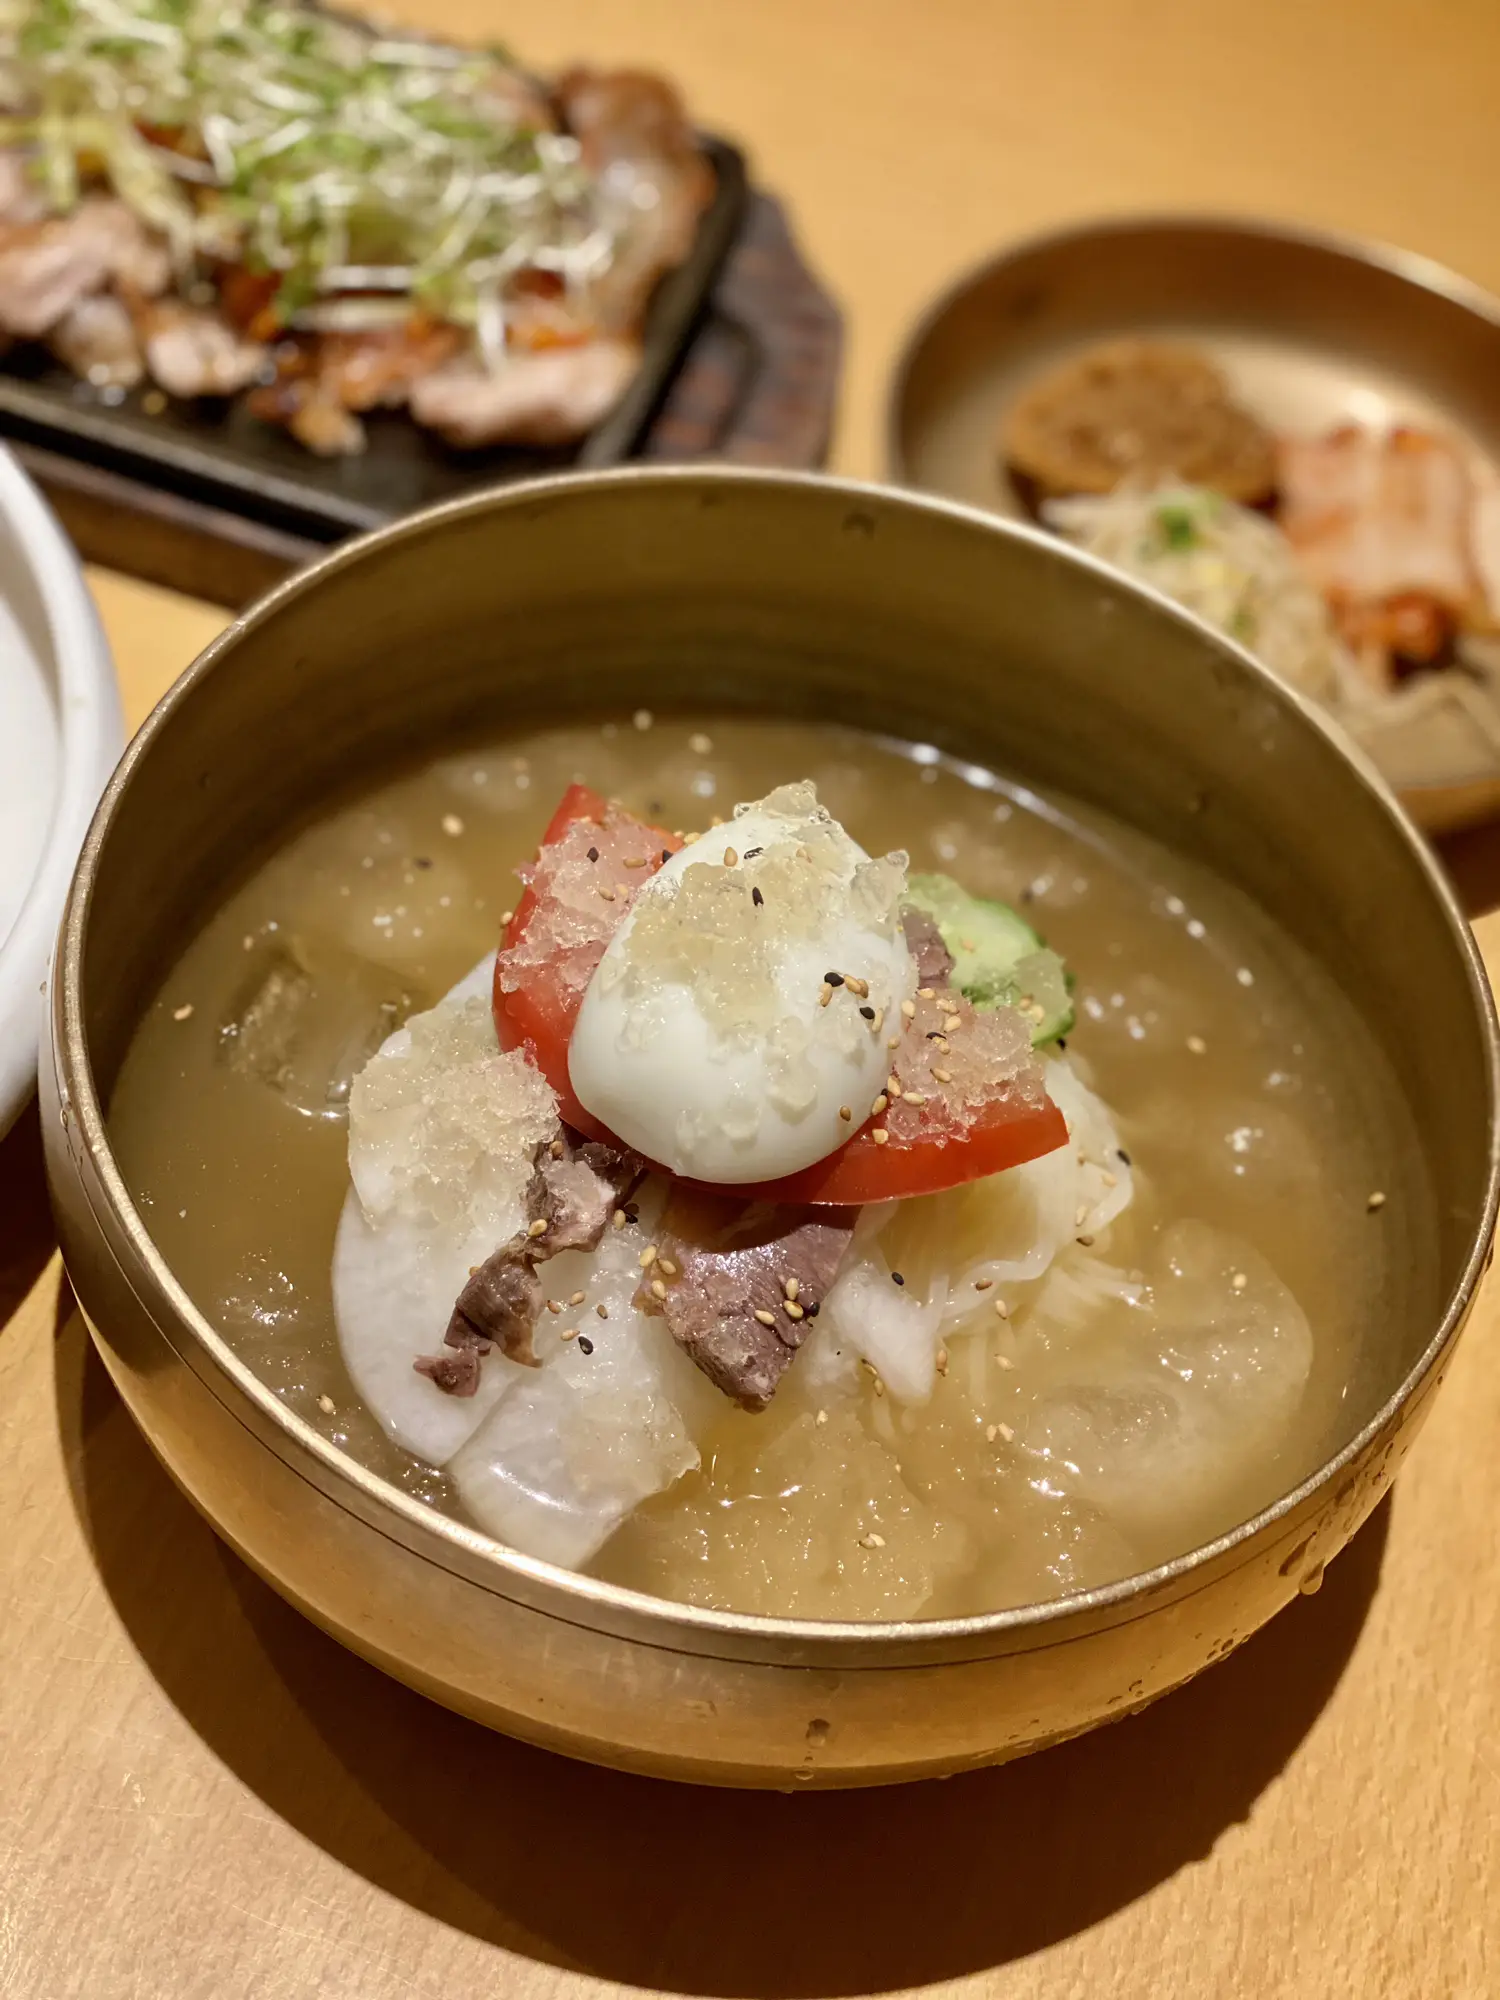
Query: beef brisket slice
(732, 1259)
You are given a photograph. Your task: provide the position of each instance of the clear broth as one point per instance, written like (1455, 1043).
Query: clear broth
(1246, 1088)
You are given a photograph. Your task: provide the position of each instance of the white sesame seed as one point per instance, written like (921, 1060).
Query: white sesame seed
(942, 1361)
(577, 1298)
(1002, 1310)
(603, 1311)
(568, 1333)
(792, 1310)
(791, 1286)
(1004, 1361)
(731, 859)
(952, 1024)
(507, 917)
(700, 745)
(538, 1228)
(989, 1432)
(879, 1105)
(1239, 1281)
(765, 1318)
(648, 1256)
(872, 1541)
(943, 1075)
(607, 893)
(666, 1267)
(658, 1288)
(183, 1013)
(452, 825)
(553, 1306)
(643, 718)
(825, 994)
(1109, 1179)
(327, 1405)
(1376, 1200)
(983, 1284)
(619, 1218)
(846, 1114)
(926, 993)
(1005, 1431)
(1196, 1045)
(822, 1417)
(880, 1135)
(1081, 1216)
(916, 1097)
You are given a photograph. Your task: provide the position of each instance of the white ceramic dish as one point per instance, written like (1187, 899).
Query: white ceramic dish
(60, 732)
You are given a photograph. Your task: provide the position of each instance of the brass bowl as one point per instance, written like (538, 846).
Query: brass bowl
(761, 592)
(1311, 329)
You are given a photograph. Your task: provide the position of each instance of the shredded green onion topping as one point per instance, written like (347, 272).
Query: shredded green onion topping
(306, 145)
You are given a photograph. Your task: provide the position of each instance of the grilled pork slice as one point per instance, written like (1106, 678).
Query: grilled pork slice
(546, 398)
(1383, 524)
(46, 268)
(191, 352)
(96, 339)
(635, 136)
(739, 1283)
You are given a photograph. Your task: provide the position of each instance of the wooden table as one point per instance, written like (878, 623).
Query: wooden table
(203, 1799)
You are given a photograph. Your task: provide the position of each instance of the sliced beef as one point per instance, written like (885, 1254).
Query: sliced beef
(573, 1190)
(732, 1261)
(925, 943)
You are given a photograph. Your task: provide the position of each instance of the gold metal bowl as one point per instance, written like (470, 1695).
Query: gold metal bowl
(1311, 329)
(799, 596)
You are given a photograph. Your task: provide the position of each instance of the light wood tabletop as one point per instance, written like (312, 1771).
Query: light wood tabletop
(201, 1798)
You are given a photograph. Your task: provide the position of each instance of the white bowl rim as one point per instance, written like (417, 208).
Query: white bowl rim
(91, 734)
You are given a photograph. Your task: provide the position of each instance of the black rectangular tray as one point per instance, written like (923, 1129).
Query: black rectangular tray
(251, 487)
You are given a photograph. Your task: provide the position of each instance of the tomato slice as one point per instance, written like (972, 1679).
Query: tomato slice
(539, 980)
(1003, 1135)
(559, 932)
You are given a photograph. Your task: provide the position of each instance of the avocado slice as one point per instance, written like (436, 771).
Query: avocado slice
(998, 959)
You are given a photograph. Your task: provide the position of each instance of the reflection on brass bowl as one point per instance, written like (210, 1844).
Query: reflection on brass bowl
(1311, 330)
(798, 597)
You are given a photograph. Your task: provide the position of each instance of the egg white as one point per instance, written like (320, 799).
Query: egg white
(703, 1107)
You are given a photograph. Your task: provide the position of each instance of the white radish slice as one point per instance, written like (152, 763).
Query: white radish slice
(393, 1293)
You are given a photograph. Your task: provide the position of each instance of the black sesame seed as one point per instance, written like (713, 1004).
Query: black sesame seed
(1028, 894)
(811, 1312)
(593, 854)
(757, 898)
(833, 978)
(897, 1279)
(868, 1013)
(934, 1035)
(421, 861)
(666, 855)
(1061, 1042)
(751, 852)
(1124, 1156)
(585, 1345)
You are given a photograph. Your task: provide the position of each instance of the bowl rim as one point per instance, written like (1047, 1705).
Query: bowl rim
(90, 731)
(589, 1601)
(1411, 267)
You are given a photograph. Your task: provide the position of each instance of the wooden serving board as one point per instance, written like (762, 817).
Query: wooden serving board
(757, 386)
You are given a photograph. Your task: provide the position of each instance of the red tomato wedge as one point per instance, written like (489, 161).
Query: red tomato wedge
(593, 860)
(561, 926)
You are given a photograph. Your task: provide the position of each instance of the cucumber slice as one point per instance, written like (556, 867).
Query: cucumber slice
(998, 959)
